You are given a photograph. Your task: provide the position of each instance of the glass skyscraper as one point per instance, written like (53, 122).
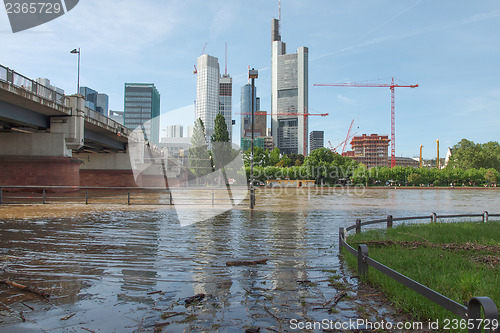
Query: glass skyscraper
(94, 100)
(102, 104)
(246, 109)
(142, 109)
(213, 94)
(226, 102)
(289, 96)
(207, 92)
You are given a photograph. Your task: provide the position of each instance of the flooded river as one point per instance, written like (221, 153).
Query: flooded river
(103, 263)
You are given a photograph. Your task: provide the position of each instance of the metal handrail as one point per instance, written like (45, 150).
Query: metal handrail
(471, 312)
(127, 191)
(18, 80)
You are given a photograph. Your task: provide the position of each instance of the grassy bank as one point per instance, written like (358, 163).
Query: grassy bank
(458, 260)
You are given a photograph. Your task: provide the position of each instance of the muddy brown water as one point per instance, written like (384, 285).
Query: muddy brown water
(100, 261)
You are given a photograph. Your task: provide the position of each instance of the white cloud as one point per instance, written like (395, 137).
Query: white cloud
(433, 28)
(345, 100)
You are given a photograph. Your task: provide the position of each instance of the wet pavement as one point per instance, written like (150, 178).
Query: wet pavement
(114, 268)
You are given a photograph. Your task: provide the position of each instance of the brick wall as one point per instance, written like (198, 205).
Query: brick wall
(39, 171)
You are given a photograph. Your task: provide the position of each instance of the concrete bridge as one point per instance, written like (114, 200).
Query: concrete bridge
(47, 138)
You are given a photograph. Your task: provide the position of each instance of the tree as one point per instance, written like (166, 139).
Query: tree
(199, 157)
(491, 176)
(221, 133)
(294, 158)
(468, 155)
(274, 157)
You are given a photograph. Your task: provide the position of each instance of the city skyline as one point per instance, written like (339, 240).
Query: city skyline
(450, 51)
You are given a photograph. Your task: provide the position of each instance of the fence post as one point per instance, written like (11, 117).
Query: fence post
(362, 265)
(128, 197)
(358, 226)
(474, 313)
(86, 197)
(171, 202)
(485, 214)
(43, 197)
(433, 218)
(389, 221)
(341, 237)
(10, 76)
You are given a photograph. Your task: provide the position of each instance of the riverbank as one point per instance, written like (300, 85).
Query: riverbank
(461, 260)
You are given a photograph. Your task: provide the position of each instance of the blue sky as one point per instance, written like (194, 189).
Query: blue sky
(450, 48)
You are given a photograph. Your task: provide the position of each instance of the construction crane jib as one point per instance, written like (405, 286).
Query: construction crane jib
(392, 86)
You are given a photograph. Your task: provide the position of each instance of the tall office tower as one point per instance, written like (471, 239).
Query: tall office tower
(102, 104)
(207, 92)
(316, 140)
(90, 96)
(226, 102)
(94, 100)
(289, 96)
(142, 109)
(213, 94)
(246, 109)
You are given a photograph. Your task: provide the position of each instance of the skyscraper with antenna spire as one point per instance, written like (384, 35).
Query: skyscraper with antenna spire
(289, 94)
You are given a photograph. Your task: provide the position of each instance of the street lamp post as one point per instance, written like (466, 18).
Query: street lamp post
(252, 74)
(77, 51)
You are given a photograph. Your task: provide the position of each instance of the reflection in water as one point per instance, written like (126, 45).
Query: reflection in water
(102, 264)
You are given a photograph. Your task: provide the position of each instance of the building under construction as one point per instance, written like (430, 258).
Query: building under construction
(371, 150)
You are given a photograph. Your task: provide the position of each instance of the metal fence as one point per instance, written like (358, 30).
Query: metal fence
(31, 86)
(206, 196)
(471, 313)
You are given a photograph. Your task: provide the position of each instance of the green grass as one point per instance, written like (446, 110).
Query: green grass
(456, 273)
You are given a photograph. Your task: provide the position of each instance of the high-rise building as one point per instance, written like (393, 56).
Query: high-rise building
(142, 109)
(90, 96)
(246, 108)
(226, 102)
(207, 91)
(289, 95)
(213, 94)
(316, 140)
(260, 121)
(94, 100)
(102, 104)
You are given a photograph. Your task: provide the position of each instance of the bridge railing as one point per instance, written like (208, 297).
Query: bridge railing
(470, 313)
(23, 82)
(147, 196)
(106, 121)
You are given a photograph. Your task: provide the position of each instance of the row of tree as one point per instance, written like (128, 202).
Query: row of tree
(425, 177)
(470, 164)
(469, 155)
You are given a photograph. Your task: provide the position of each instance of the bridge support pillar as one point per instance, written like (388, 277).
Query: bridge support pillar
(39, 171)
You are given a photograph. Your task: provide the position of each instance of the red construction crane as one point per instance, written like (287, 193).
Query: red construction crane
(331, 146)
(347, 137)
(344, 143)
(202, 53)
(391, 85)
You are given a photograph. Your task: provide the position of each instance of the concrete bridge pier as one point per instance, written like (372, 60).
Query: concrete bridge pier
(44, 157)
